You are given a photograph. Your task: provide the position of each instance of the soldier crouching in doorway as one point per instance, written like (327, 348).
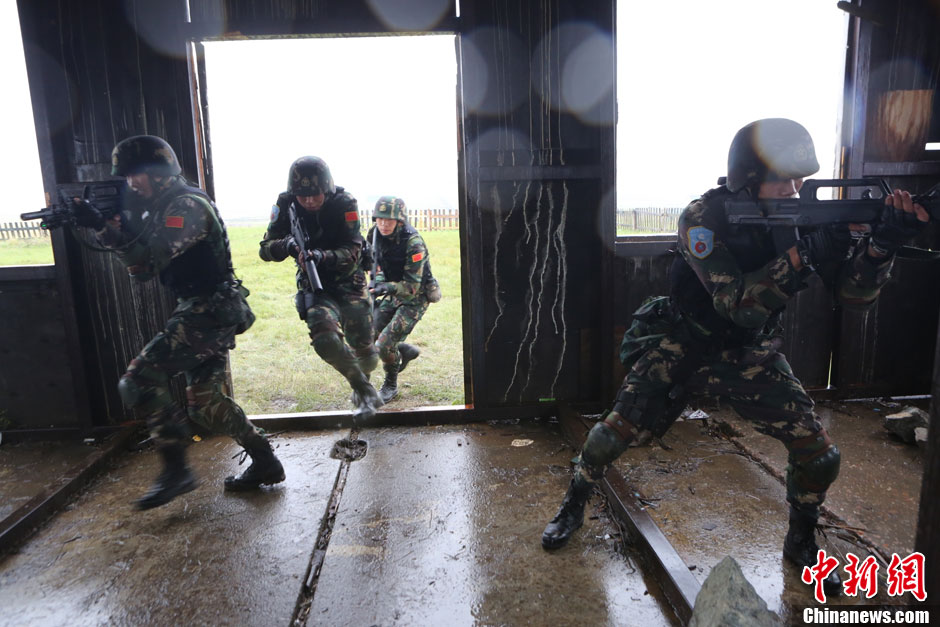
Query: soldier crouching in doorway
(719, 331)
(181, 239)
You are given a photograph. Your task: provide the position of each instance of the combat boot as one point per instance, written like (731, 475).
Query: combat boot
(367, 400)
(175, 479)
(265, 467)
(800, 545)
(570, 515)
(407, 352)
(390, 386)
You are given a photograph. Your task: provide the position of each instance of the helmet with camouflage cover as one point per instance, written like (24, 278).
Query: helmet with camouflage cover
(144, 153)
(391, 207)
(772, 149)
(309, 176)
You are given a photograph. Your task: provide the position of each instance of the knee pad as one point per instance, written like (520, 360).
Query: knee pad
(129, 391)
(648, 412)
(368, 361)
(814, 464)
(139, 380)
(602, 446)
(328, 345)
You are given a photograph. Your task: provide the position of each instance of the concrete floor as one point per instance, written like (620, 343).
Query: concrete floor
(712, 498)
(29, 468)
(435, 525)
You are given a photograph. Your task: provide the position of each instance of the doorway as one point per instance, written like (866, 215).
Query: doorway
(381, 112)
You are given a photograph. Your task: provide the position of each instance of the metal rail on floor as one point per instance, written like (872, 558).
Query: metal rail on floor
(17, 526)
(667, 568)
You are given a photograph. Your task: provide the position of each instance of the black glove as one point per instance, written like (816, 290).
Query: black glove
(896, 228)
(381, 289)
(87, 215)
(316, 255)
(284, 248)
(826, 244)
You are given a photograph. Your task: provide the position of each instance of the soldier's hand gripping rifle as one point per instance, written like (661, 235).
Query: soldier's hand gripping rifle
(299, 232)
(808, 210)
(98, 201)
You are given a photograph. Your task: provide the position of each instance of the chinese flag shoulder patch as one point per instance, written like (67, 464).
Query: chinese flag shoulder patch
(417, 257)
(352, 216)
(174, 222)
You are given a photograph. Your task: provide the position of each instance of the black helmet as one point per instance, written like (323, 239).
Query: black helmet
(144, 153)
(309, 176)
(771, 149)
(391, 207)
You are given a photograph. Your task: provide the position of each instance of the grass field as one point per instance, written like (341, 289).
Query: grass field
(274, 368)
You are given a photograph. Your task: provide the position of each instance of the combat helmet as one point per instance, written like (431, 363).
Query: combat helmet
(309, 176)
(144, 153)
(391, 207)
(772, 149)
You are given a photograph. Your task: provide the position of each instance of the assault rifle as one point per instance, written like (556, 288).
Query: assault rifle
(809, 210)
(299, 232)
(105, 196)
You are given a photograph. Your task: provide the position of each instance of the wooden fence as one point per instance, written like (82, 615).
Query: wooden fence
(21, 230)
(421, 219)
(652, 219)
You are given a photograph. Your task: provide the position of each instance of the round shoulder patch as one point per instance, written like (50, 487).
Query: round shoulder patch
(701, 241)
(275, 212)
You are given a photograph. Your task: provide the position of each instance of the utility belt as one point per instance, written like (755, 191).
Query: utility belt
(227, 302)
(201, 290)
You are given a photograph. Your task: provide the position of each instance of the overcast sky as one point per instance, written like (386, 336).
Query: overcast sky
(382, 111)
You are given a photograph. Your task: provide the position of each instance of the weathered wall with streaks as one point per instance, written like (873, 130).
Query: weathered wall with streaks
(99, 73)
(537, 155)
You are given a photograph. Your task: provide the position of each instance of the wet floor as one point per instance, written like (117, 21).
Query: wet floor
(434, 525)
(712, 498)
(29, 468)
(205, 558)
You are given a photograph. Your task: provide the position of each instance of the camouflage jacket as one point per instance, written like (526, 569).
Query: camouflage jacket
(730, 277)
(334, 229)
(181, 239)
(179, 236)
(403, 262)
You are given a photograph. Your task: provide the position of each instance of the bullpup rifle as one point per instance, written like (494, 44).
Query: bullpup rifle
(809, 210)
(105, 196)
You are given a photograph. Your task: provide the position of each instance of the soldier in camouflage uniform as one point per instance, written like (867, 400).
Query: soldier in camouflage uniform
(404, 277)
(343, 307)
(173, 231)
(719, 331)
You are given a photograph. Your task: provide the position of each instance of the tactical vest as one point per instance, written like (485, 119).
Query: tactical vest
(204, 266)
(393, 252)
(752, 248)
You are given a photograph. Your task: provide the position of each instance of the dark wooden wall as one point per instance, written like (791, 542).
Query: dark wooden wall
(99, 73)
(36, 387)
(537, 203)
(547, 289)
(890, 349)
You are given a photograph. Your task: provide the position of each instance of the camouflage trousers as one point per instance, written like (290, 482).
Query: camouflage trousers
(755, 380)
(346, 312)
(394, 321)
(193, 344)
